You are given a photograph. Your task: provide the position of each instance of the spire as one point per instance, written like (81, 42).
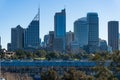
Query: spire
(64, 6)
(37, 17)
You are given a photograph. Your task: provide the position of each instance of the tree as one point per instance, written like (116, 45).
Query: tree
(115, 64)
(53, 55)
(49, 75)
(73, 74)
(103, 73)
(29, 55)
(65, 56)
(21, 54)
(96, 57)
(41, 53)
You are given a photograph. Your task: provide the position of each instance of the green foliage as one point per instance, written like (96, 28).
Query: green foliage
(96, 57)
(49, 75)
(73, 74)
(116, 56)
(103, 73)
(41, 53)
(52, 55)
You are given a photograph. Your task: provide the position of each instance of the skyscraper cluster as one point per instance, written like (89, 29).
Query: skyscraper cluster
(86, 32)
(25, 39)
(85, 35)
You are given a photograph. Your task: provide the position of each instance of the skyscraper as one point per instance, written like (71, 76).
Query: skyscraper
(51, 39)
(113, 34)
(60, 30)
(17, 38)
(0, 43)
(119, 41)
(93, 33)
(31, 36)
(93, 24)
(69, 38)
(81, 31)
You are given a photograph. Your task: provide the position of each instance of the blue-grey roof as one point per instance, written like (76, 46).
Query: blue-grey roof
(49, 63)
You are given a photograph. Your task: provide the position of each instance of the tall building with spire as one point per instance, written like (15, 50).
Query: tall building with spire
(31, 34)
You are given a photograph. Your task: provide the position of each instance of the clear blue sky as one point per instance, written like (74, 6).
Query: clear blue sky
(15, 12)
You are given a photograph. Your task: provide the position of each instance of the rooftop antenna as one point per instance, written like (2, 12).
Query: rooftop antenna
(39, 11)
(64, 6)
(39, 17)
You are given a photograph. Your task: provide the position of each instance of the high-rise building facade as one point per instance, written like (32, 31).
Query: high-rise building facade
(93, 33)
(81, 31)
(58, 45)
(93, 24)
(69, 38)
(119, 41)
(60, 30)
(9, 47)
(17, 38)
(113, 34)
(51, 39)
(103, 45)
(46, 40)
(0, 43)
(31, 36)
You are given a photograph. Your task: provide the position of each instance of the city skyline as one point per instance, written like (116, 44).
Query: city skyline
(16, 12)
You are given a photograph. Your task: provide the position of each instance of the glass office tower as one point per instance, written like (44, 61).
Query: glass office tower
(31, 35)
(17, 38)
(93, 33)
(113, 34)
(81, 31)
(60, 31)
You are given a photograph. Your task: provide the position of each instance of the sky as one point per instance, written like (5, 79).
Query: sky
(21, 12)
